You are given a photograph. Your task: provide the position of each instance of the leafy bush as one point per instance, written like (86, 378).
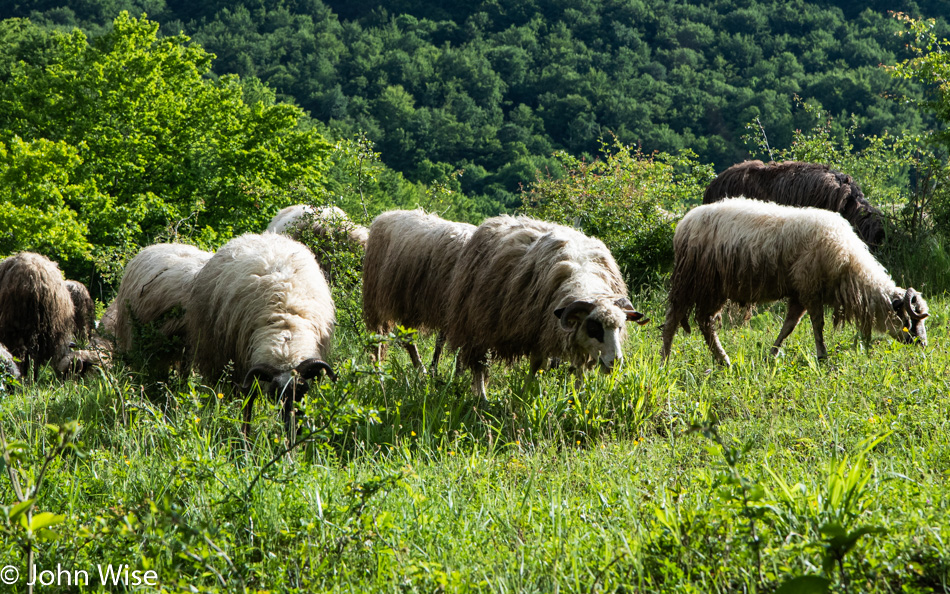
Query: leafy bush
(628, 199)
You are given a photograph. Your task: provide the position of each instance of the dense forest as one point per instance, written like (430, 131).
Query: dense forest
(495, 88)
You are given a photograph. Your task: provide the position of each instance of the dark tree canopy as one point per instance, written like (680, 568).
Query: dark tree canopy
(493, 88)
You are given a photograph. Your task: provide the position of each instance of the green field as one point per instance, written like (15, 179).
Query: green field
(682, 478)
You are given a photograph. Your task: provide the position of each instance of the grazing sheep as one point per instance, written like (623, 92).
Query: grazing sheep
(751, 251)
(261, 303)
(85, 314)
(524, 287)
(36, 311)
(155, 285)
(796, 183)
(324, 223)
(8, 366)
(408, 265)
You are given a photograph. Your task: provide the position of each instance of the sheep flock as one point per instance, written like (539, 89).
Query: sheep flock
(259, 312)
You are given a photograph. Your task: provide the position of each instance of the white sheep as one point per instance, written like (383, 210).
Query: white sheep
(408, 265)
(524, 287)
(751, 252)
(155, 286)
(261, 304)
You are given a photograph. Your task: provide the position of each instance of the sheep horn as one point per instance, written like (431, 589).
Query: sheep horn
(565, 314)
(265, 371)
(310, 369)
(911, 303)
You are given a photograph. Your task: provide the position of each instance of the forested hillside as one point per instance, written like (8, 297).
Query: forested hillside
(493, 88)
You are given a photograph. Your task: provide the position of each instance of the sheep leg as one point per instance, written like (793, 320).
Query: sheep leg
(248, 408)
(795, 312)
(537, 364)
(478, 382)
(414, 355)
(437, 353)
(707, 325)
(669, 331)
(817, 315)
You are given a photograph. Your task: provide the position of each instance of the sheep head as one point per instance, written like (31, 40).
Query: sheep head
(596, 327)
(912, 310)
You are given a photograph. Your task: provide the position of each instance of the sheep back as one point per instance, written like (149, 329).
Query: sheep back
(798, 183)
(322, 221)
(36, 311)
(155, 282)
(511, 277)
(407, 269)
(260, 300)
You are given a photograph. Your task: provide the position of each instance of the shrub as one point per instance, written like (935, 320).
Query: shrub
(628, 199)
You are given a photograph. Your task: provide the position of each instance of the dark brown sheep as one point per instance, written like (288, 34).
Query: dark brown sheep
(85, 310)
(36, 311)
(797, 183)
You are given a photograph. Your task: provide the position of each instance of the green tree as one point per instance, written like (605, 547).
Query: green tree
(38, 200)
(173, 151)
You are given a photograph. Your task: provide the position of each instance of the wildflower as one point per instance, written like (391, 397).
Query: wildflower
(413, 433)
(220, 395)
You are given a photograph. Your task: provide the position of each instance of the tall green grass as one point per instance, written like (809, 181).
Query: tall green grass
(787, 471)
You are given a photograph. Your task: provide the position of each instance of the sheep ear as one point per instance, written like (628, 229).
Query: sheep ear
(635, 316)
(897, 304)
(632, 315)
(572, 315)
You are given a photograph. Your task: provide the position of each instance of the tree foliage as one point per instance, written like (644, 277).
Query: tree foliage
(494, 88)
(156, 148)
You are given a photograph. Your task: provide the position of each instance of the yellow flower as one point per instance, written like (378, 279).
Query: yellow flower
(413, 433)
(220, 395)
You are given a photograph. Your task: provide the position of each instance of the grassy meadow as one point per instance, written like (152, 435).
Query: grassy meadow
(785, 474)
